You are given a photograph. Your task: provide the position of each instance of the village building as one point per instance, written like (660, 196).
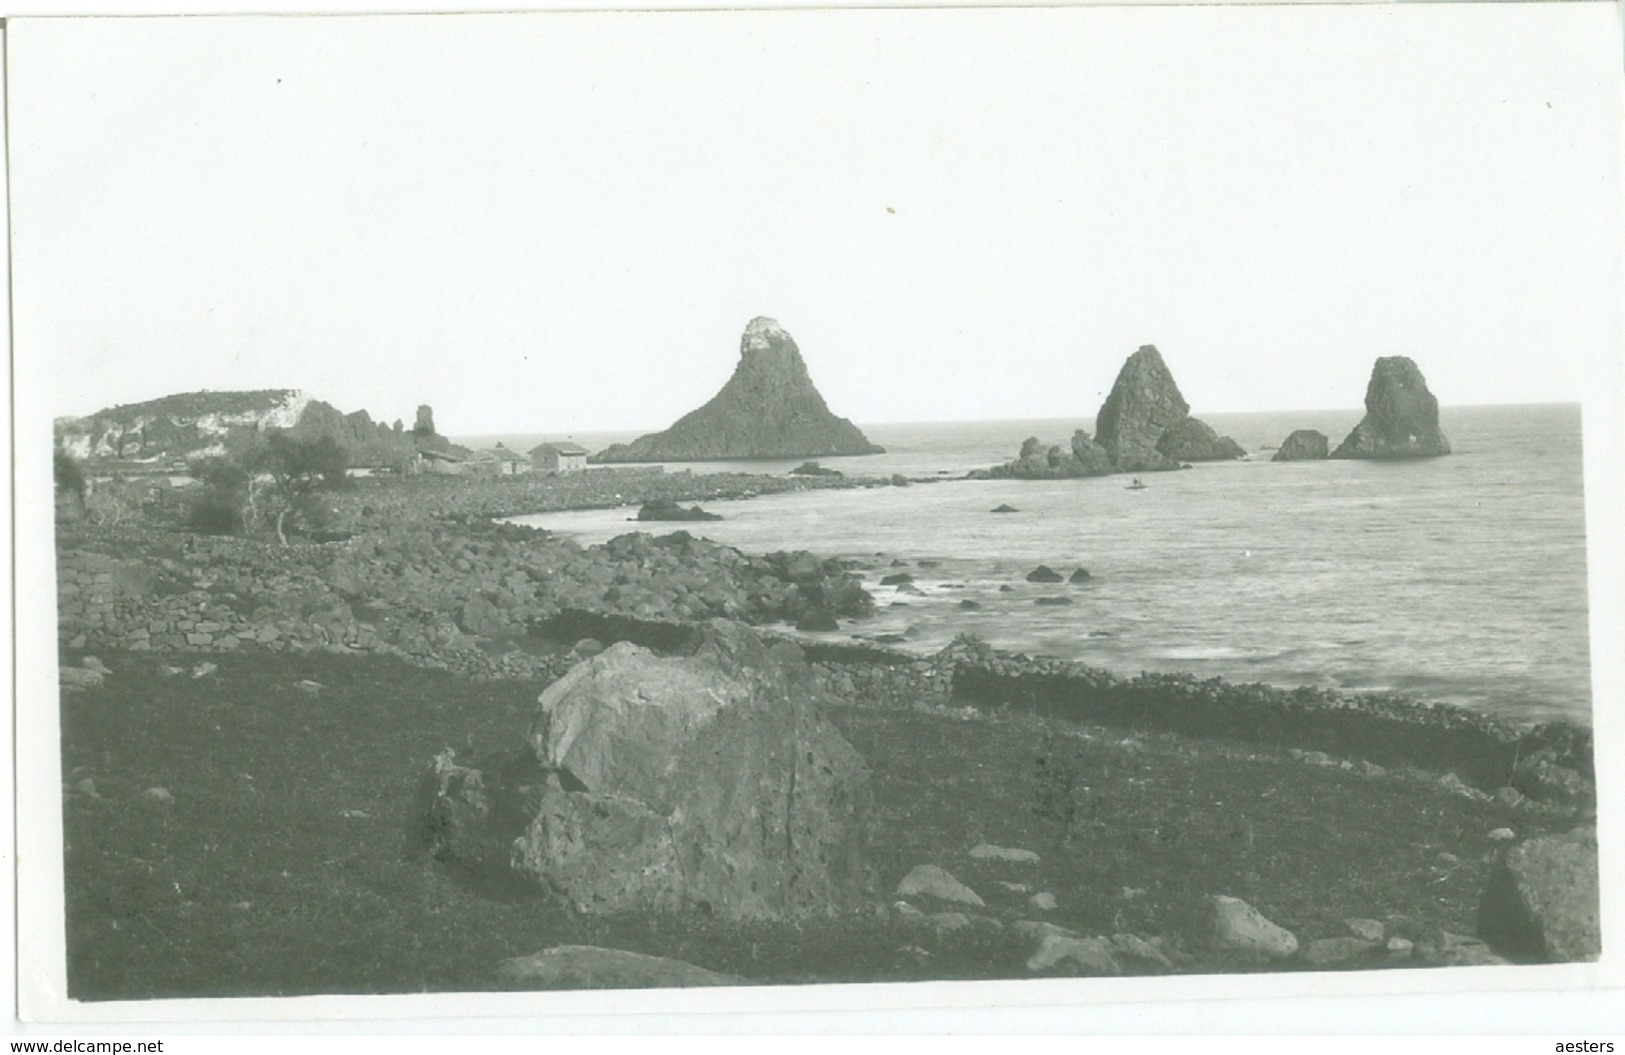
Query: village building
(560, 457)
(441, 463)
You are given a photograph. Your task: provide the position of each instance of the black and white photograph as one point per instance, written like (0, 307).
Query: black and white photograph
(715, 509)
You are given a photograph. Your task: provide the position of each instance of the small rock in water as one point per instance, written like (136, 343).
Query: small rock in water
(1043, 573)
(1054, 602)
(1006, 588)
(1081, 575)
(897, 579)
(935, 882)
(1005, 509)
(989, 852)
(969, 605)
(1043, 901)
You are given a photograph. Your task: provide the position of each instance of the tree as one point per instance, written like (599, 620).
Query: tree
(267, 477)
(299, 467)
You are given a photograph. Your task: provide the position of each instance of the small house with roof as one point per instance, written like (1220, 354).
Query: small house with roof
(560, 457)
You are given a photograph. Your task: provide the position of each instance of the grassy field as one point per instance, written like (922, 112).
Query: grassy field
(282, 855)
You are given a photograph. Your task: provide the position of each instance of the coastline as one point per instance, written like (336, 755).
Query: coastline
(444, 531)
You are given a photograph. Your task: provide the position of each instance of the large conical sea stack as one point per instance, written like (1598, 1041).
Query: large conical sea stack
(768, 409)
(1145, 424)
(1401, 416)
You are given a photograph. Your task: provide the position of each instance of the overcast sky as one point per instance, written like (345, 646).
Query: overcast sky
(553, 223)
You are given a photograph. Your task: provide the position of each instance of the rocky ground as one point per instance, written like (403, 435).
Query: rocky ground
(245, 725)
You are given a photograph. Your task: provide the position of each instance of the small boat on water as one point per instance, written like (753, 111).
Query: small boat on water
(1137, 485)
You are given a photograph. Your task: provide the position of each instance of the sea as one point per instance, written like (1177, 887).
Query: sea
(1459, 579)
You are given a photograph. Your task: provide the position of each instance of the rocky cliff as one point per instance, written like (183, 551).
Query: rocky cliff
(1145, 424)
(197, 424)
(1401, 416)
(768, 409)
(178, 426)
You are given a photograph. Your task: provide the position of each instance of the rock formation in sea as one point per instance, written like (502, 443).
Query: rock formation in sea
(1303, 445)
(768, 409)
(1401, 416)
(1192, 440)
(1145, 424)
(1084, 457)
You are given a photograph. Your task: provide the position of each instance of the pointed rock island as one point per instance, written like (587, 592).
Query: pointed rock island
(1145, 424)
(1401, 416)
(768, 409)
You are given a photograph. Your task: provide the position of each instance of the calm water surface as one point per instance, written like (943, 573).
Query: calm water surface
(1457, 579)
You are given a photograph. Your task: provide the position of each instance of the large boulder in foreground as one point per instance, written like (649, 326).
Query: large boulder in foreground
(768, 409)
(1401, 416)
(1540, 904)
(704, 781)
(1145, 424)
(1302, 446)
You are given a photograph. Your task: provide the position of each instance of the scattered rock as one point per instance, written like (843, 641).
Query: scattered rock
(1326, 951)
(87, 788)
(667, 509)
(1084, 956)
(1508, 796)
(1502, 835)
(158, 795)
(77, 679)
(204, 669)
(92, 663)
(1036, 931)
(1399, 948)
(989, 852)
(591, 967)
(946, 922)
(817, 621)
(1540, 904)
(896, 579)
(1365, 929)
(1053, 602)
(1015, 888)
(1043, 901)
(1043, 573)
(1401, 416)
(1003, 508)
(969, 605)
(1081, 575)
(933, 881)
(1303, 445)
(1136, 948)
(1230, 923)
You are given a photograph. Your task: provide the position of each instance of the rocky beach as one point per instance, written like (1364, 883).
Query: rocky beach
(416, 574)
